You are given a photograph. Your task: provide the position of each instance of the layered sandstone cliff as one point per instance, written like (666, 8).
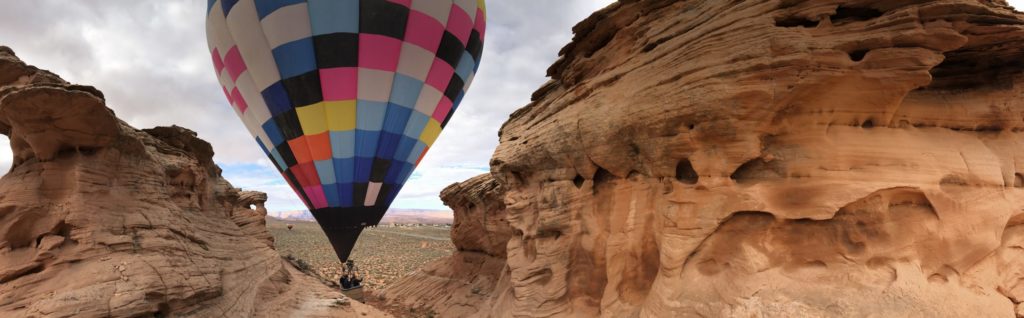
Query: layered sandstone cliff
(99, 219)
(761, 158)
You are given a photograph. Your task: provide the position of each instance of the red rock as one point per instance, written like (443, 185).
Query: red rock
(468, 278)
(758, 158)
(99, 219)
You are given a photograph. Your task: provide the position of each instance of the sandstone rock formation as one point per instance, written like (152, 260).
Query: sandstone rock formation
(99, 219)
(760, 158)
(471, 278)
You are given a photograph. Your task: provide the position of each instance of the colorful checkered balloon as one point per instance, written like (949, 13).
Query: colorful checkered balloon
(346, 96)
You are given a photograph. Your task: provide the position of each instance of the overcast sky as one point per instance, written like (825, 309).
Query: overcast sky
(151, 61)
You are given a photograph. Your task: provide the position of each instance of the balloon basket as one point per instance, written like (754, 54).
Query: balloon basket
(354, 293)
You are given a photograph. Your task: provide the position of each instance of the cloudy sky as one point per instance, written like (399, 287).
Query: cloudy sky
(151, 61)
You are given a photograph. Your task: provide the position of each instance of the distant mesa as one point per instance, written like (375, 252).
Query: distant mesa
(393, 216)
(294, 215)
(413, 216)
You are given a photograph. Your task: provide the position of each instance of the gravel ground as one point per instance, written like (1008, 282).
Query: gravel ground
(385, 254)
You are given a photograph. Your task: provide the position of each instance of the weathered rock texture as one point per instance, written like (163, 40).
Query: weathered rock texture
(474, 276)
(763, 158)
(99, 219)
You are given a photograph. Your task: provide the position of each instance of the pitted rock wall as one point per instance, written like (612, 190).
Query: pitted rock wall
(776, 158)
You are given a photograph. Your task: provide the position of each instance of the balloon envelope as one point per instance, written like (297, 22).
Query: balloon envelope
(345, 96)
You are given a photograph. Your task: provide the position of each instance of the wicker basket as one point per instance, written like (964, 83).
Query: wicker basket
(355, 293)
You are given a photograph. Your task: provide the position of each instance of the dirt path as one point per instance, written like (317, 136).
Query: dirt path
(308, 297)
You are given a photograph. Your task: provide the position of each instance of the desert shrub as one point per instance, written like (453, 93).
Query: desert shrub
(302, 265)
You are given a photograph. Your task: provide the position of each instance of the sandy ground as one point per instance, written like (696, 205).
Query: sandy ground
(308, 297)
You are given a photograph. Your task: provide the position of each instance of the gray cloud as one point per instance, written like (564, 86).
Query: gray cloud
(148, 57)
(523, 39)
(151, 61)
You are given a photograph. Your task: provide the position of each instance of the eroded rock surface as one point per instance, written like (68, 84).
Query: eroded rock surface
(766, 158)
(471, 279)
(99, 219)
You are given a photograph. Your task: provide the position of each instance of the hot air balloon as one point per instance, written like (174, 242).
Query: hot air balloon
(345, 96)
